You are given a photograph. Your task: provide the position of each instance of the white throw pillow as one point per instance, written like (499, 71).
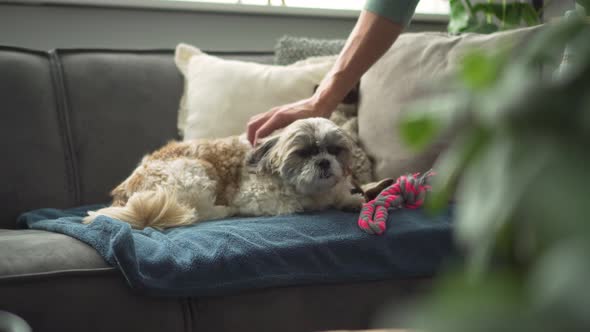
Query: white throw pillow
(221, 95)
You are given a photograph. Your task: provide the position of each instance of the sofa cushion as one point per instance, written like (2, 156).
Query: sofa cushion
(89, 301)
(121, 106)
(30, 252)
(57, 283)
(398, 78)
(94, 302)
(346, 306)
(226, 256)
(36, 163)
(78, 121)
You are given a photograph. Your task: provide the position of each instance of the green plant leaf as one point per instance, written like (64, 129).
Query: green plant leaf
(424, 120)
(490, 9)
(530, 15)
(522, 190)
(418, 132)
(569, 199)
(493, 186)
(493, 303)
(459, 18)
(585, 4)
(479, 70)
(511, 15)
(559, 281)
(482, 27)
(450, 165)
(543, 46)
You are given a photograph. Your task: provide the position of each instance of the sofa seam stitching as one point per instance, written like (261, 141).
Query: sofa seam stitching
(187, 314)
(49, 275)
(62, 131)
(65, 127)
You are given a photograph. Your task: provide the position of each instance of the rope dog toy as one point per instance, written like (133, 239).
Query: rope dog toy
(407, 192)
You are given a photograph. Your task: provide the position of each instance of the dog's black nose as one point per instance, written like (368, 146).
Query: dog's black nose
(324, 164)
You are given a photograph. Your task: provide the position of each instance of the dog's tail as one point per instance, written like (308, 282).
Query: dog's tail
(158, 208)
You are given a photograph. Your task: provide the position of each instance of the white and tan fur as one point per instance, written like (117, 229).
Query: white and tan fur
(304, 168)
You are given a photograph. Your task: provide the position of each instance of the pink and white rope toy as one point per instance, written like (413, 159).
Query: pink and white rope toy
(407, 192)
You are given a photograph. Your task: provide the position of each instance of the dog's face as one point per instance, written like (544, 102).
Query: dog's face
(313, 155)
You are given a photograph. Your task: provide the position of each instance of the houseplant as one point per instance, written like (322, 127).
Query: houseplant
(518, 166)
(489, 16)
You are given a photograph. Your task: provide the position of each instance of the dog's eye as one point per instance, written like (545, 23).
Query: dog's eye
(307, 152)
(334, 150)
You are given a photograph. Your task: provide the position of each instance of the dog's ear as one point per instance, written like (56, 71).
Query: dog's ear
(258, 160)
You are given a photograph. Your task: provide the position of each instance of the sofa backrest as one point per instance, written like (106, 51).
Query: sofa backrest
(76, 122)
(36, 161)
(119, 106)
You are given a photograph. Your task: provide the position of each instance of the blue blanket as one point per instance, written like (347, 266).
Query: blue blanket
(220, 257)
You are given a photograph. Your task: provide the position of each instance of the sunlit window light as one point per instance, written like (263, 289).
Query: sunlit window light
(424, 6)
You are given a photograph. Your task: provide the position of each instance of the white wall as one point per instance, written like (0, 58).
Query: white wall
(47, 27)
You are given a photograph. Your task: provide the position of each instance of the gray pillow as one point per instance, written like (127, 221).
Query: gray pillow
(290, 49)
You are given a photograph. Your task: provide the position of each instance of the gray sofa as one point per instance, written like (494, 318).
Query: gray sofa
(69, 121)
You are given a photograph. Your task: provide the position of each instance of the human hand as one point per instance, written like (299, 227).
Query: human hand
(264, 124)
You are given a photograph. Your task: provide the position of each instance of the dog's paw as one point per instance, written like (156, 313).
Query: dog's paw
(90, 217)
(373, 189)
(352, 203)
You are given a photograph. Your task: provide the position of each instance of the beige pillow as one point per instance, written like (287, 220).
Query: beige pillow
(397, 79)
(221, 95)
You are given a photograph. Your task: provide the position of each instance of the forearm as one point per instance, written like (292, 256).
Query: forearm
(372, 36)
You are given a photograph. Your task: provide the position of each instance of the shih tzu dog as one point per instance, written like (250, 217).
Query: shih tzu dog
(306, 167)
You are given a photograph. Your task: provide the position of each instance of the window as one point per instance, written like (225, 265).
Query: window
(424, 6)
(433, 10)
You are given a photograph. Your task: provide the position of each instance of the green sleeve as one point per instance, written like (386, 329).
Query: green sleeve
(398, 11)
